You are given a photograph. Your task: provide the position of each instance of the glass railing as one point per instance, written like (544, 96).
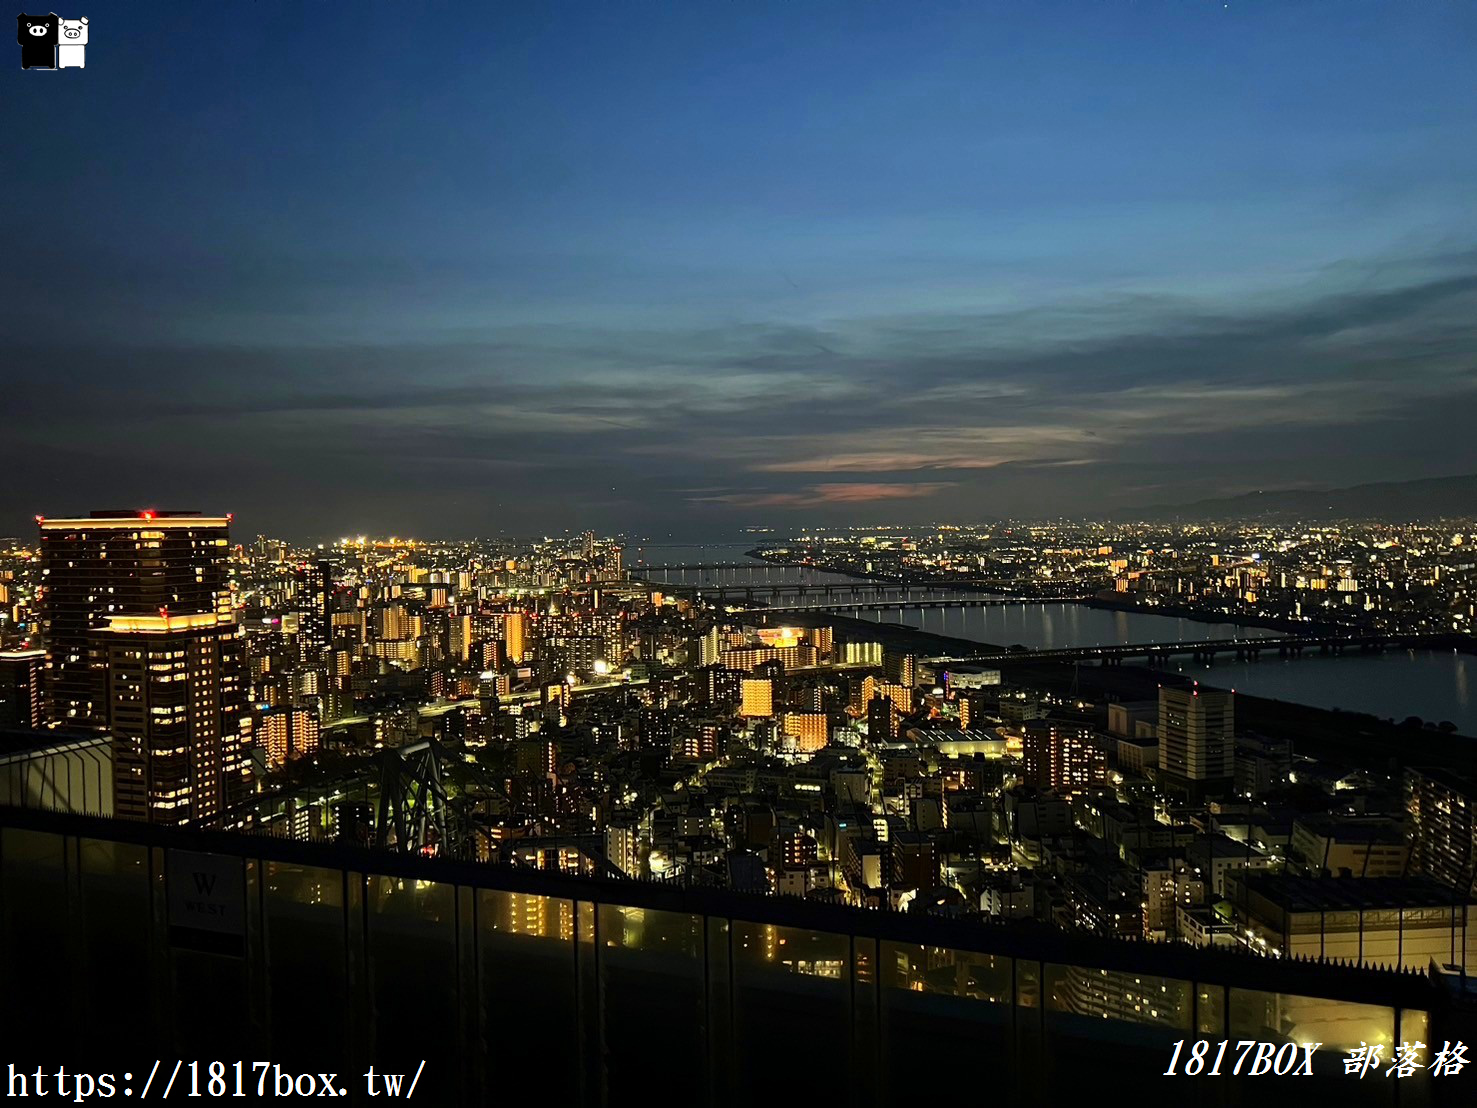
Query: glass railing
(602, 1000)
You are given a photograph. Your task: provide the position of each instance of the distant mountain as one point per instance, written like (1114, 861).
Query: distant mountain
(1396, 500)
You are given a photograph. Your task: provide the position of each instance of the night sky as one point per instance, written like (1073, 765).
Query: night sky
(679, 266)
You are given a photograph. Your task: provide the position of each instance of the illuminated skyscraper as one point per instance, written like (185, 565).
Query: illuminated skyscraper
(177, 715)
(119, 563)
(757, 699)
(901, 668)
(140, 641)
(287, 733)
(314, 608)
(1197, 730)
(514, 632)
(810, 730)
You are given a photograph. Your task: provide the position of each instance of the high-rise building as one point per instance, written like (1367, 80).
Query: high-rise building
(119, 563)
(21, 705)
(901, 695)
(515, 630)
(623, 847)
(1440, 807)
(140, 641)
(880, 712)
(177, 715)
(317, 625)
(1061, 755)
(287, 733)
(1197, 729)
(710, 646)
(810, 730)
(721, 685)
(901, 668)
(461, 636)
(757, 698)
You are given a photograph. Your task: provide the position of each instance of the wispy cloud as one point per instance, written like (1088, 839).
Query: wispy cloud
(815, 496)
(1047, 408)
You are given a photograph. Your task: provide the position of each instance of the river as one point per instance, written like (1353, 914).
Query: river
(1434, 685)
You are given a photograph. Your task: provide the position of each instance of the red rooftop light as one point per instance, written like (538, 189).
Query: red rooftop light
(146, 514)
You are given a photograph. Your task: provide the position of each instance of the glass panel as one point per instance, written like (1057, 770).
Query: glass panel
(869, 1069)
(1120, 996)
(1415, 1024)
(1109, 1021)
(1210, 1010)
(941, 1002)
(791, 985)
(33, 926)
(116, 934)
(587, 1011)
(651, 975)
(1028, 983)
(944, 972)
(1415, 1027)
(529, 992)
(723, 1060)
(307, 994)
(1338, 1024)
(412, 975)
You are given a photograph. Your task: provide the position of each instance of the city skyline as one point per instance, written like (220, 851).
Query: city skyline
(784, 550)
(684, 271)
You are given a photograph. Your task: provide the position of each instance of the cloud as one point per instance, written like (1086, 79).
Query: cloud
(813, 496)
(1064, 405)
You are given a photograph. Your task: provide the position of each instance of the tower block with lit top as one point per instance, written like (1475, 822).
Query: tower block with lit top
(141, 642)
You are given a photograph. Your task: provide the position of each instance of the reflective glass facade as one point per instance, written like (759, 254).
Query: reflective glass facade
(623, 993)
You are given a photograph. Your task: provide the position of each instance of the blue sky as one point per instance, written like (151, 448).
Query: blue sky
(685, 266)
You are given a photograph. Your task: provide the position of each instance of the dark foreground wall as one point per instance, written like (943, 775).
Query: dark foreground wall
(124, 944)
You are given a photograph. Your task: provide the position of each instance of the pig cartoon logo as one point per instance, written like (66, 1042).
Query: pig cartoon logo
(50, 42)
(37, 35)
(71, 44)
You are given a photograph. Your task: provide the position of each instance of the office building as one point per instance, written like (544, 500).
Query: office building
(140, 641)
(1350, 846)
(118, 563)
(1197, 736)
(1262, 764)
(880, 712)
(177, 716)
(1132, 718)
